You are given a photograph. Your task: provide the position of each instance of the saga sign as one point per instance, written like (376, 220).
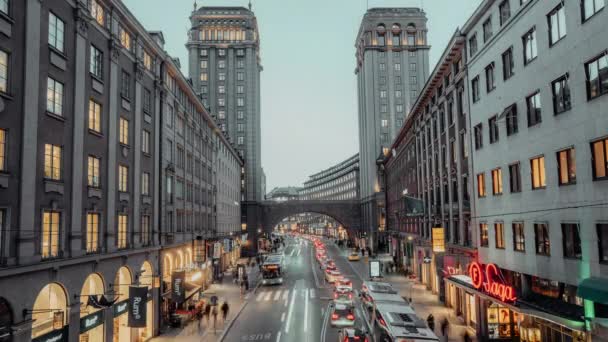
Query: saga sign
(490, 281)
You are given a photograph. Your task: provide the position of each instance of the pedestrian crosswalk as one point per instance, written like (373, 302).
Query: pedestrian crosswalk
(274, 295)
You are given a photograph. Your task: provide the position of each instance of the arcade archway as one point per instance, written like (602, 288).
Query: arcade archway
(91, 313)
(50, 311)
(122, 281)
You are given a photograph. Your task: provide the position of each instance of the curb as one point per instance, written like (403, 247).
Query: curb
(227, 328)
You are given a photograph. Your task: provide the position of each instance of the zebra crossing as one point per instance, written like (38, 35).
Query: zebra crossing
(283, 294)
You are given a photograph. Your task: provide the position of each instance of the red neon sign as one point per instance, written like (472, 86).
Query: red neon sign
(506, 293)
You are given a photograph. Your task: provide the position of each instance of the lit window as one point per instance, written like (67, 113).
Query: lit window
(145, 183)
(97, 12)
(497, 182)
(122, 230)
(52, 161)
(147, 61)
(123, 177)
(203, 76)
(483, 235)
(499, 235)
(93, 172)
(481, 185)
(50, 234)
(600, 159)
(56, 32)
(92, 232)
(566, 166)
(537, 167)
(125, 39)
(124, 131)
(94, 116)
(54, 97)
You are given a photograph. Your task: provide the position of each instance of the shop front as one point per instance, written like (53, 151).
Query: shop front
(146, 279)
(50, 314)
(92, 311)
(121, 331)
(91, 327)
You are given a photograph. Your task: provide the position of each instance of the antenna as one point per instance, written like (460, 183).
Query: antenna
(250, 5)
(195, 5)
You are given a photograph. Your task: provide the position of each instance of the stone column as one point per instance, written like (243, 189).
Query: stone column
(74, 319)
(115, 51)
(139, 74)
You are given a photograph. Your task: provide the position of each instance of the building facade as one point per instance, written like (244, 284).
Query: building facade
(79, 197)
(282, 194)
(392, 65)
(224, 65)
(337, 183)
(538, 78)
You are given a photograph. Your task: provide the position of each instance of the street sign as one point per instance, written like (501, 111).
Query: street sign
(374, 269)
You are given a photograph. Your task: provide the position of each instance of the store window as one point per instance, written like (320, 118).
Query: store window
(499, 322)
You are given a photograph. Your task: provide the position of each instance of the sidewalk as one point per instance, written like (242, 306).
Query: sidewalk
(228, 291)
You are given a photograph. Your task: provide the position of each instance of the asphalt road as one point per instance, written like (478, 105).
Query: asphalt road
(297, 310)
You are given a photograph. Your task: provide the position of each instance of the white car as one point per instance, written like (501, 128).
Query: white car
(343, 295)
(332, 275)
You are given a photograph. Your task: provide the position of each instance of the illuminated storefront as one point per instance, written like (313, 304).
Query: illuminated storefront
(91, 316)
(146, 278)
(50, 314)
(122, 281)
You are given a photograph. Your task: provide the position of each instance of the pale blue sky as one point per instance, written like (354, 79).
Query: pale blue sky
(309, 102)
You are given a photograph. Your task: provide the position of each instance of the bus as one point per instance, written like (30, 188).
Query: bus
(394, 322)
(273, 270)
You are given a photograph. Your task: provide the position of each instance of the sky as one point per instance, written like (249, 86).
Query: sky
(308, 86)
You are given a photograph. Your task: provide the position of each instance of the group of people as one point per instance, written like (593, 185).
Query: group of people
(211, 312)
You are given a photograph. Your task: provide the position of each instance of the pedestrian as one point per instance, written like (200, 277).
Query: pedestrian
(444, 326)
(207, 312)
(214, 314)
(430, 320)
(225, 308)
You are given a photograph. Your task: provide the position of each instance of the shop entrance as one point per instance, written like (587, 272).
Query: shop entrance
(91, 317)
(50, 312)
(146, 279)
(122, 281)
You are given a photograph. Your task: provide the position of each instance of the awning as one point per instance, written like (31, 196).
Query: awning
(594, 289)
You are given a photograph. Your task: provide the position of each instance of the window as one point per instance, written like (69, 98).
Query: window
(145, 230)
(490, 84)
(519, 237)
(240, 89)
(382, 66)
(602, 237)
(537, 169)
(240, 140)
(571, 240)
(557, 24)
(566, 166)
(124, 131)
(382, 94)
(240, 114)
(529, 41)
(123, 178)
(464, 151)
(412, 67)
(4, 6)
(145, 183)
(534, 109)
(398, 93)
(52, 161)
(493, 129)
(411, 39)
(125, 85)
(54, 97)
(384, 123)
(397, 66)
(125, 39)
(507, 64)
(56, 32)
(590, 7)
(93, 172)
(399, 108)
(221, 102)
(481, 185)
(147, 100)
(96, 67)
(240, 64)
(541, 237)
(511, 116)
(487, 30)
(383, 108)
(204, 76)
(497, 182)
(483, 234)
(599, 151)
(478, 136)
(240, 127)
(221, 89)
(221, 114)
(221, 52)
(147, 61)
(514, 178)
(561, 95)
(505, 11)
(597, 76)
(499, 235)
(397, 80)
(473, 45)
(221, 64)
(240, 76)
(475, 88)
(94, 116)
(92, 232)
(122, 231)
(3, 143)
(413, 79)
(240, 102)
(97, 12)
(50, 234)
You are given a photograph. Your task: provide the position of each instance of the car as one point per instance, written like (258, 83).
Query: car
(354, 256)
(327, 263)
(342, 316)
(344, 282)
(331, 276)
(353, 335)
(343, 295)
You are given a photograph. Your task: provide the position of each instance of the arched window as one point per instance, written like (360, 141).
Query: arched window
(145, 275)
(396, 31)
(122, 281)
(93, 285)
(50, 310)
(167, 267)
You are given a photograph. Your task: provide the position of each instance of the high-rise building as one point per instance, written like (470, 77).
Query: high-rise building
(392, 66)
(224, 66)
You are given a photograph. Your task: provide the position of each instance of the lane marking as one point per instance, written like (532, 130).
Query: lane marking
(306, 311)
(279, 336)
(259, 297)
(283, 317)
(312, 293)
(293, 298)
(277, 295)
(268, 295)
(285, 294)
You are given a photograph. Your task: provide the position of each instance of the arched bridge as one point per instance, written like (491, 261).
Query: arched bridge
(347, 213)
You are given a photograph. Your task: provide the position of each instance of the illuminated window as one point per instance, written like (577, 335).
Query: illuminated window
(52, 161)
(566, 166)
(499, 235)
(122, 230)
(94, 116)
(497, 182)
(203, 76)
(54, 97)
(56, 32)
(125, 39)
(92, 232)
(481, 185)
(123, 178)
(519, 237)
(93, 172)
(600, 159)
(147, 61)
(537, 168)
(97, 12)
(483, 235)
(124, 131)
(50, 234)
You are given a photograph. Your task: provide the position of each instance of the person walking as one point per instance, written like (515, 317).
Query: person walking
(430, 320)
(214, 314)
(445, 326)
(225, 308)
(207, 312)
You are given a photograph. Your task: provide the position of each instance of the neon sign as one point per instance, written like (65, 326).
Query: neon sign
(487, 279)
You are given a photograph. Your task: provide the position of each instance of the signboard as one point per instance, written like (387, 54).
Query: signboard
(438, 235)
(120, 307)
(60, 335)
(178, 291)
(374, 269)
(217, 250)
(91, 321)
(58, 320)
(413, 206)
(138, 296)
(489, 280)
(226, 245)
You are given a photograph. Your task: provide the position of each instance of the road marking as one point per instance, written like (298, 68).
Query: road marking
(306, 311)
(259, 297)
(285, 294)
(293, 298)
(299, 250)
(268, 295)
(283, 317)
(279, 336)
(277, 295)
(312, 293)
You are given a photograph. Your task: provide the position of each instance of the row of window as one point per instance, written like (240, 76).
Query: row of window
(221, 76)
(571, 241)
(221, 64)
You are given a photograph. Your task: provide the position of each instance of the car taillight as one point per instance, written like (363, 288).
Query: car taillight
(334, 317)
(335, 296)
(345, 339)
(350, 296)
(382, 322)
(350, 317)
(356, 338)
